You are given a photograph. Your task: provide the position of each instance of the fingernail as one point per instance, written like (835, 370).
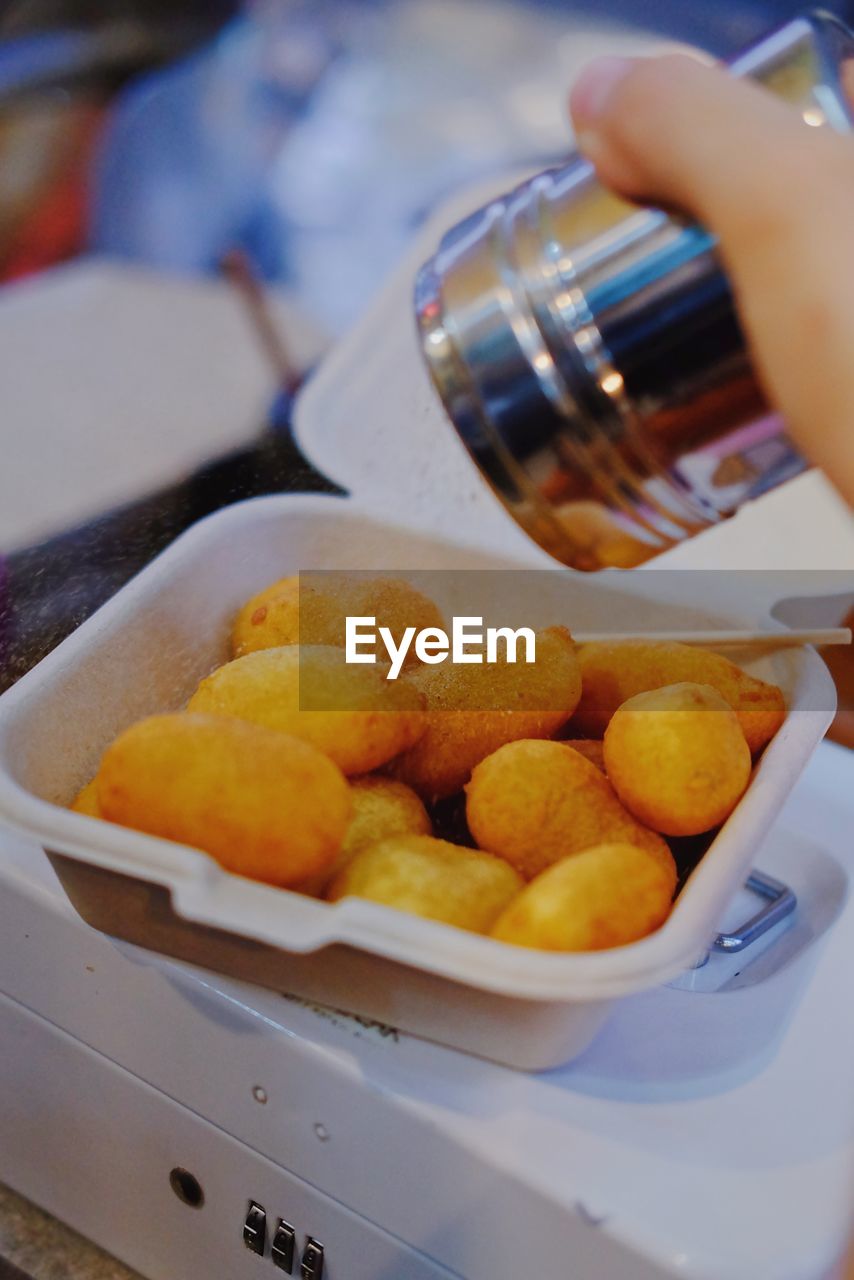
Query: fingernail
(595, 86)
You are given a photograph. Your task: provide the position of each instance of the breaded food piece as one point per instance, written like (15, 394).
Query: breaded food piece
(381, 808)
(263, 804)
(612, 673)
(677, 758)
(86, 800)
(602, 897)
(269, 619)
(473, 710)
(590, 748)
(430, 878)
(312, 609)
(351, 713)
(534, 803)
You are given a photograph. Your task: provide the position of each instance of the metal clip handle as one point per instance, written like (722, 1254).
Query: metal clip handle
(780, 901)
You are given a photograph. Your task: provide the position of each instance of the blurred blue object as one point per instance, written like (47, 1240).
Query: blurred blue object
(32, 59)
(182, 170)
(315, 134)
(721, 26)
(57, 48)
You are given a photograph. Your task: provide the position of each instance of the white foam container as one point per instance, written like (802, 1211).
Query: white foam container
(369, 419)
(144, 652)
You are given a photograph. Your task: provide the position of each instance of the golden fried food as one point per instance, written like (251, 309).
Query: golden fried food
(677, 758)
(535, 802)
(351, 713)
(611, 673)
(431, 878)
(263, 804)
(606, 896)
(590, 748)
(381, 808)
(312, 609)
(86, 800)
(473, 710)
(269, 619)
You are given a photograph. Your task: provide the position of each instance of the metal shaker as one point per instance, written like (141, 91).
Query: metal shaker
(589, 354)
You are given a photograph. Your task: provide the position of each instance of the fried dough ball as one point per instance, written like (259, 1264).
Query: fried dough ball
(86, 800)
(381, 808)
(611, 673)
(431, 878)
(606, 896)
(677, 758)
(312, 610)
(534, 803)
(263, 804)
(351, 713)
(472, 710)
(269, 619)
(590, 748)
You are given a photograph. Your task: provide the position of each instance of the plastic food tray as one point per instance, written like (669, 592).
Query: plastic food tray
(144, 652)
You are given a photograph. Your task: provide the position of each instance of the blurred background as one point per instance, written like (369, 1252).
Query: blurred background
(313, 134)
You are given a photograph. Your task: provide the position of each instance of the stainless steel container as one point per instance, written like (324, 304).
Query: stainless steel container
(588, 351)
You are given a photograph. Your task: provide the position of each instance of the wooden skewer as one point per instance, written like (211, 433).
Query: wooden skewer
(726, 639)
(236, 266)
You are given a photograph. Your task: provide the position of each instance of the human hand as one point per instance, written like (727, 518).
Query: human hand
(779, 195)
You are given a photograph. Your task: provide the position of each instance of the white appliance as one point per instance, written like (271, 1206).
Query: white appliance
(708, 1132)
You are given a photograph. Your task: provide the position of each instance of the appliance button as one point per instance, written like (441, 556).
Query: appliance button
(311, 1265)
(284, 1242)
(255, 1228)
